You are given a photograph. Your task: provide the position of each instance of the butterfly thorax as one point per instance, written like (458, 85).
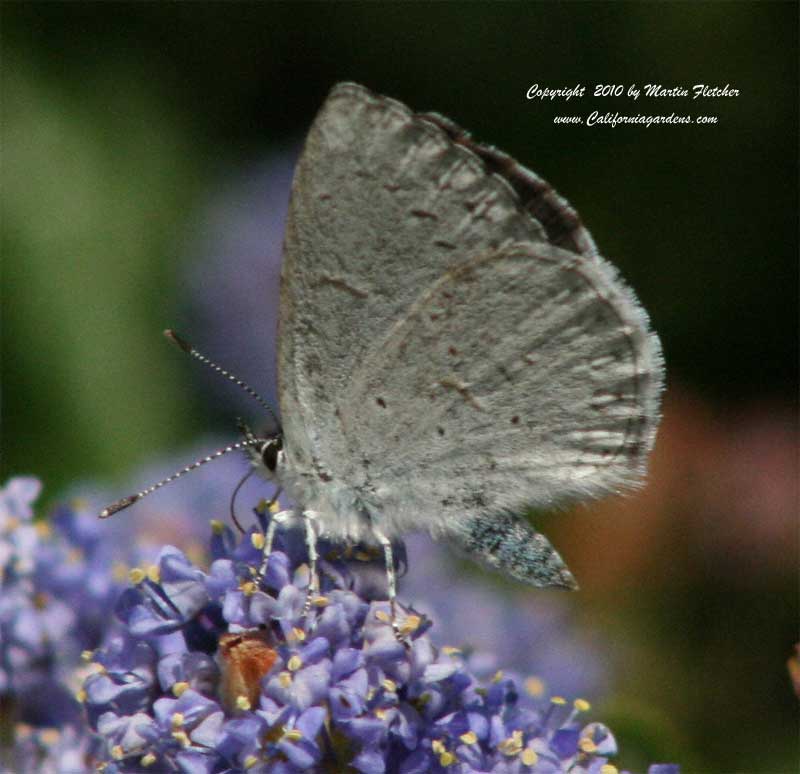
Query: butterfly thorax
(340, 510)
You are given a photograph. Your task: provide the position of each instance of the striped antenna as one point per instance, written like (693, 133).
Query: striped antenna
(190, 350)
(125, 502)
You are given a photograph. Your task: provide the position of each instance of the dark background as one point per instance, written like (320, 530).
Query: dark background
(120, 122)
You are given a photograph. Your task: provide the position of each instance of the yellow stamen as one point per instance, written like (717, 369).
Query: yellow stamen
(153, 573)
(512, 745)
(217, 527)
(294, 663)
(582, 705)
(558, 700)
(534, 686)
(179, 688)
(447, 759)
(250, 761)
(383, 616)
(177, 720)
(243, 703)
(119, 572)
(587, 745)
(469, 738)
(182, 738)
(117, 753)
(136, 575)
(608, 768)
(389, 685)
(410, 625)
(148, 760)
(497, 676)
(293, 735)
(529, 757)
(449, 650)
(259, 540)
(43, 529)
(285, 679)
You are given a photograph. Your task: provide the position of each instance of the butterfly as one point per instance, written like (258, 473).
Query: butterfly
(453, 350)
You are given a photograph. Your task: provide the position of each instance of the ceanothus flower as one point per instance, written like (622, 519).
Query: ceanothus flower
(241, 669)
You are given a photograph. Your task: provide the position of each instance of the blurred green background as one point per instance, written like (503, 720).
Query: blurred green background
(120, 122)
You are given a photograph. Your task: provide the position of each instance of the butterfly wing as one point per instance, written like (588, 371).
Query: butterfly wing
(525, 377)
(445, 355)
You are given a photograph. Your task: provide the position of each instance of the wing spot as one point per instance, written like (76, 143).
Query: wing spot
(391, 187)
(445, 244)
(434, 317)
(424, 214)
(453, 351)
(440, 430)
(381, 402)
(515, 420)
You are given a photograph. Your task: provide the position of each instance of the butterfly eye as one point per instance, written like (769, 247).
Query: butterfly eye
(269, 454)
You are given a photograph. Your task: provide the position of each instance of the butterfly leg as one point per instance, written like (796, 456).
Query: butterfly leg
(309, 518)
(391, 579)
(278, 518)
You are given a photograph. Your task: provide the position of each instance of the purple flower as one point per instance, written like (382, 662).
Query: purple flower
(52, 603)
(235, 668)
(229, 671)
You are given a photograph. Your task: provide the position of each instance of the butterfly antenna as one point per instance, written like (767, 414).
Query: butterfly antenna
(125, 502)
(190, 350)
(241, 483)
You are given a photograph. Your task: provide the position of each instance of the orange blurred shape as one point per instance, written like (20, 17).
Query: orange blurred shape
(245, 657)
(793, 665)
(720, 500)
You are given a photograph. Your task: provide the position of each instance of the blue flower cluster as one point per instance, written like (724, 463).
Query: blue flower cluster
(238, 668)
(58, 586)
(57, 591)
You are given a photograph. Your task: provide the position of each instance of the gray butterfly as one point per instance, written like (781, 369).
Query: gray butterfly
(452, 348)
